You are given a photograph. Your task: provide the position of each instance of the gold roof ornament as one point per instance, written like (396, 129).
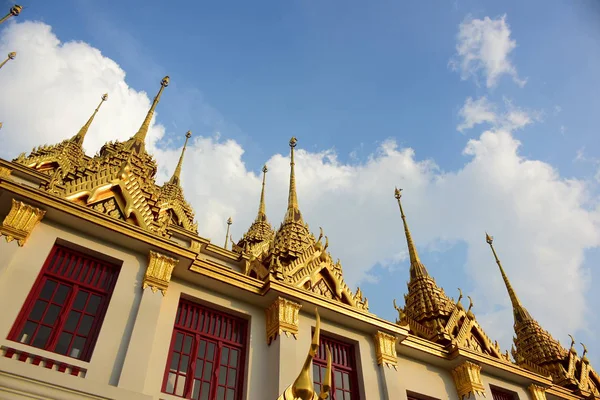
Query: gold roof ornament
(12, 12)
(10, 56)
(417, 269)
(302, 388)
(80, 136)
(175, 179)
(229, 222)
(538, 351)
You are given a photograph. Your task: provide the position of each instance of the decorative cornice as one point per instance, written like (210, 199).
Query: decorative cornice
(467, 378)
(20, 221)
(385, 348)
(537, 392)
(282, 317)
(5, 173)
(158, 272)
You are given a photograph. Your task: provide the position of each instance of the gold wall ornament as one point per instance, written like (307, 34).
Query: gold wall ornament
(537, 392)
(467, 379)
(385, 348)
(5, 172)
(20, 221)
(11, 56)
(282, 317)
(302, 388)
(158, 272)
(12, 12)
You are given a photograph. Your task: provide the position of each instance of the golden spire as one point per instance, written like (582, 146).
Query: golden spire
(13, 12)
(176, 175)
(11, 56)
(293, 212)
(137, 142)
(302, 388)
(82, 132)
(417, 269)
(229, 222)
(262, 214)
(520, 313)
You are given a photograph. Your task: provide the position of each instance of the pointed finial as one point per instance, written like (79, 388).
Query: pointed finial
(520, 313)
(177, 173)
(140, 136)
(0, 125)
(12, 12)
(229, 222)
(11, 56)
(293, 212)
(585, 350)
(80, 136)
(417, 269)
(262, 214)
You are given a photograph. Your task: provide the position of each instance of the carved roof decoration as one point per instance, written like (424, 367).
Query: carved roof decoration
(118, 181)
(65, 156)
(430, 314)
(293, 255)
(537, 351)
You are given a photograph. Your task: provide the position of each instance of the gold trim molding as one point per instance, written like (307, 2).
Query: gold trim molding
(5, 173)
(537, 392)
(467, 379)
(282, 317)
(385, 348)
(158, 273)
(20, 222)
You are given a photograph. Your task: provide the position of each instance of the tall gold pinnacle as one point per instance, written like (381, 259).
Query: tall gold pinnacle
(229, 222)
(520, 313)
(177, 174)
(137, 142)
(262, 214)
(293, 212)
(11, 56)
(84, 129)
(13, 12)
(417, 269)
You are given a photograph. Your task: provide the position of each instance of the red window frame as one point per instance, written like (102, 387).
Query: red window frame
(207, 354)
(65, 307)
(344, 382)
(502, 394)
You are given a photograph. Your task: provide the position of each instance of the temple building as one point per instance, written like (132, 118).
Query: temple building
(109, 292)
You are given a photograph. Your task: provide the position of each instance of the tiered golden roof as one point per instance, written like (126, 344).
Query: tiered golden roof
(119, 181)
(293, 255)
(430, 314)
(539, 352)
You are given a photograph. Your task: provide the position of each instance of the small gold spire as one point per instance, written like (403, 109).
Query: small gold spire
(0, 125)
(520, 313)
(13, 12)
(11, 56)
(140, 137)
(83, 131)
(229, 222)
(417, 269)
(177, 174)
(293, 212)
(262, 214)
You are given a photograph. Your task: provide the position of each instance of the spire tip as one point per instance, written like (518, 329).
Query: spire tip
(265, 169)
(188, 134)
(489, 239)
(293, 142)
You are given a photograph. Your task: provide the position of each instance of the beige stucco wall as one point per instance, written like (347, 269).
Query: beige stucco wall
(425, 379)
(488, 380)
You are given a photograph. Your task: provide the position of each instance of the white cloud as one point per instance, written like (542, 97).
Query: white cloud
(476, 112)
(53, 87)
(483, 47)
(482, 111)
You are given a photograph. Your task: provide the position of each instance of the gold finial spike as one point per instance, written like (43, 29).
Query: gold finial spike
(13, 12)
(177, 174)
(0, 125)
(520, 313)
(417, 269)
(11, 56)
(80, 136)
(262, 214)
(293, 212)
(229, 222)
(140, 136)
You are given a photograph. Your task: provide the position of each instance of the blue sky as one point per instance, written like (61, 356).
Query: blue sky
(349, 76)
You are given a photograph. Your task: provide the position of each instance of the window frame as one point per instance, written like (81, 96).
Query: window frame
(73, 261)
(351, 369)
(502, 391)
(241, 346)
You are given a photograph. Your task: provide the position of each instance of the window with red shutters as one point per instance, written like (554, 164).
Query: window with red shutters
(206, 357)
(501, 394)
(65, 308)
(343, 368)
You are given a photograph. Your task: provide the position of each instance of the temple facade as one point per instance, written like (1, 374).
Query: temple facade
(108, 292)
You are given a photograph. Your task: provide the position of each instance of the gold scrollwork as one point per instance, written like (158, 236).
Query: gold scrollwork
(20, 221)
(537, 392)
(467, 378)
(282, 317)
(158, 273)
